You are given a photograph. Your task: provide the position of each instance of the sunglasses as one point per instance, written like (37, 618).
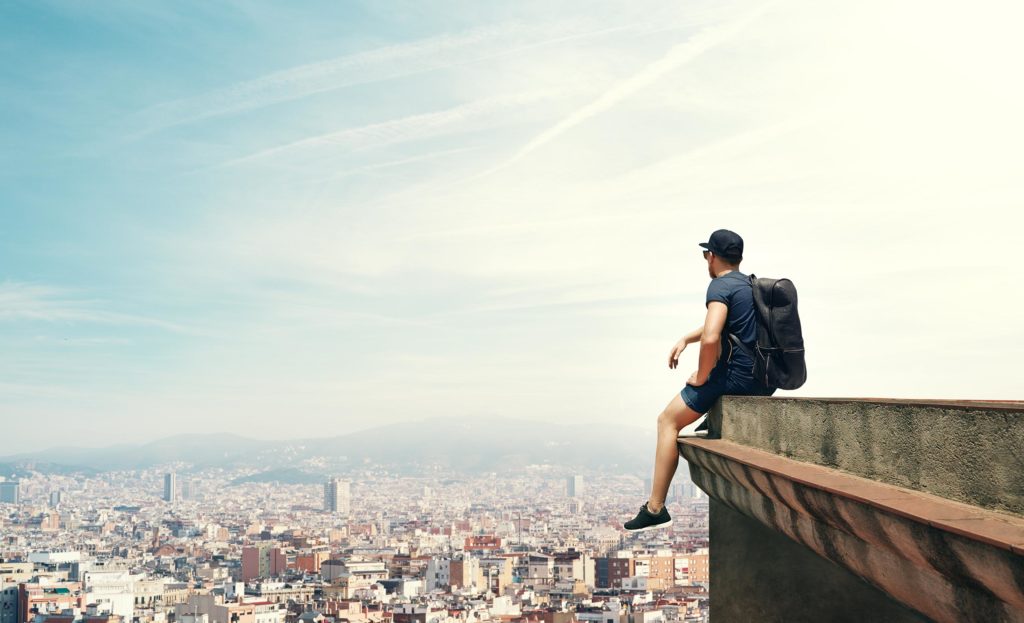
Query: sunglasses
(705, 253)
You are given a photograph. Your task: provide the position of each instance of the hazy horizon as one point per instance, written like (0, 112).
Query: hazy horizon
(227, 217)
(260, 436)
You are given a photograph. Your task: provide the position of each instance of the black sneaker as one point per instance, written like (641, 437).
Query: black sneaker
(646, 520)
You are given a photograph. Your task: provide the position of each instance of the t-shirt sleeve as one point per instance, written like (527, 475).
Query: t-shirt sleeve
(717, 291)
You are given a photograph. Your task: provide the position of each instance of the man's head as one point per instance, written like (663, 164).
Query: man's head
(723, 251)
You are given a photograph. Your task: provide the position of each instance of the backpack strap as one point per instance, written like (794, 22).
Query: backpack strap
(733, 339)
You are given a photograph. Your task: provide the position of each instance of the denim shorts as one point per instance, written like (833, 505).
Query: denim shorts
(722, 381)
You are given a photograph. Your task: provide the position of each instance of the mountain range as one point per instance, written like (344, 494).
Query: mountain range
(462, 444)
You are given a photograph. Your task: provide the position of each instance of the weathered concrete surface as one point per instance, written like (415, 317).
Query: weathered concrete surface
(972, 452)
(761, 575)
(896, 539)
(924, 500)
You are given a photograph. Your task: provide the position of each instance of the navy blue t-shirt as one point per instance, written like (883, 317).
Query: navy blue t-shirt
(733, 289)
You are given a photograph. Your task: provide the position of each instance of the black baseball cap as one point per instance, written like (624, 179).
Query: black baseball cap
(725, 244)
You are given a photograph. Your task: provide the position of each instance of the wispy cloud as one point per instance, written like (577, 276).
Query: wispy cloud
(433, 155)
(27, 301)
(676, 57)
(408, 128)
(305, 80)
(377, 65)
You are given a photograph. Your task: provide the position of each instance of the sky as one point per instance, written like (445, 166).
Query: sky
(299, 219)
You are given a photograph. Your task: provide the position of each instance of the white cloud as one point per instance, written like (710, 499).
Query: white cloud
(470, 116)
(390, 62)
(28, 301)
(678, 56)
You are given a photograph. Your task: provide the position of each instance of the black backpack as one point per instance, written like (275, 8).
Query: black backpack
(779, 351)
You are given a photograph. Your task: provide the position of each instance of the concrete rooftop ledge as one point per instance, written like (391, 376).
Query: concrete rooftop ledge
(968, 451)
(838, 477)
(999, 530)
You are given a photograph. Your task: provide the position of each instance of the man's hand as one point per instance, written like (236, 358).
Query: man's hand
(673, 357)
(693, 380)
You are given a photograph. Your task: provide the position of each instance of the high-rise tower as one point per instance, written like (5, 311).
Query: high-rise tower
(336, 496)
(574, 486)
(10, 492)
(170, 487)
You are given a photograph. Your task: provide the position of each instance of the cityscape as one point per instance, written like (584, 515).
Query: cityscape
(178, 544)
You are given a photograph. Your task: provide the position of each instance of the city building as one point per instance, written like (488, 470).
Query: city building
(310, 562)
(48, 597)
(112, 589)
(658, 569)
(233, 611)
(482, 543)
(10, 492)
(337, 496)
(416, 613)
(11, 575)
(611, 571)
(263, 560)
(170, 487)
(574, 486)
(348, 576)
(699, 567)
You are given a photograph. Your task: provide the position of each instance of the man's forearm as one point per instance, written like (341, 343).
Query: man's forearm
(694, 336)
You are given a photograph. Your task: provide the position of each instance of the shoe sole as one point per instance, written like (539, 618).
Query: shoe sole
(655, 526)
(700, 434)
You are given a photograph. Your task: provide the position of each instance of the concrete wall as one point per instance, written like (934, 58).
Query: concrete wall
(969, 452)
(807, 538)
(758, 574)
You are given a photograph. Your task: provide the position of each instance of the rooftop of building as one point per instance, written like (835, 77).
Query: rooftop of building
(921, 498)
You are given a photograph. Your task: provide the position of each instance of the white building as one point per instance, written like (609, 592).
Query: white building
(463, 572)
(54, 558)
(438, 576)
(504, 606)
(267, 611)
(574, 486)
(610, 611)
(115, 589)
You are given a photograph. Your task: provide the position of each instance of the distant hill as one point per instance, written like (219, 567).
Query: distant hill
(200, 450)
(12, 470)
(464, 444)
(480, 444)
(284, 476)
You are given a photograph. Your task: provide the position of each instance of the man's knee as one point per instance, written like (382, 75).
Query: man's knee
(675, 419)
(676, 416)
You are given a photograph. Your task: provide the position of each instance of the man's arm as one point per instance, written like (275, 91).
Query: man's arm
(710, 341)
(686, 340)
(693, 336)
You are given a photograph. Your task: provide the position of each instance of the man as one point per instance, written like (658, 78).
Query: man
(723, 368)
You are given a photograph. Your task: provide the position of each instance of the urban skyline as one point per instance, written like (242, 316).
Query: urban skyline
(510, 547)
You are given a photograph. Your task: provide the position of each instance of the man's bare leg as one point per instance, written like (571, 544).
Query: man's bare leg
(674, 418)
